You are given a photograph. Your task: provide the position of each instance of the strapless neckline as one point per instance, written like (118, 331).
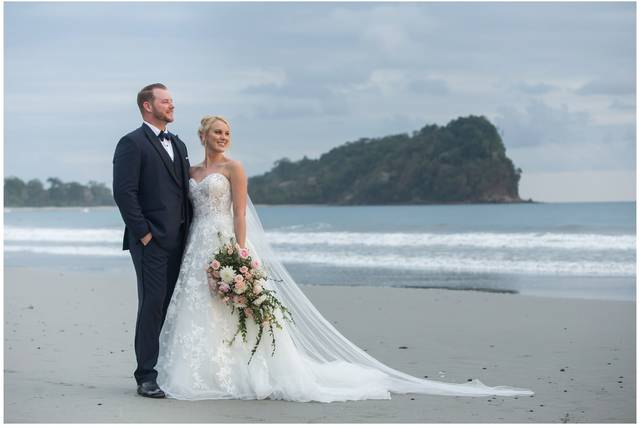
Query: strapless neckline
(207, 176)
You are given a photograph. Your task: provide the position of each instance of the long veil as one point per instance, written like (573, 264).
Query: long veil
(320, 341)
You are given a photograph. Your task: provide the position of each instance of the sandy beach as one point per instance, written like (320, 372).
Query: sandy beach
(69, 355)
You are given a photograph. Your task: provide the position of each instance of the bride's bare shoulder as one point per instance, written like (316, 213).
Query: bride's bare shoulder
(236, 171)
(235, 168)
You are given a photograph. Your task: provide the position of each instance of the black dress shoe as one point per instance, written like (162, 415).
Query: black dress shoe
(150, 389)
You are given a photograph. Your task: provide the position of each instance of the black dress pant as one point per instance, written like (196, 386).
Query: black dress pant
(157, 271)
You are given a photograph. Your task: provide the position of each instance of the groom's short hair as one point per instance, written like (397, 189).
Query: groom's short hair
(146, 94)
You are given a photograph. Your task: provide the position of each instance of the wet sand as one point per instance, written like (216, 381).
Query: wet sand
(69, 355)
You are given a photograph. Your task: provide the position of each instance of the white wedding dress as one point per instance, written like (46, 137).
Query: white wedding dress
(312, 361)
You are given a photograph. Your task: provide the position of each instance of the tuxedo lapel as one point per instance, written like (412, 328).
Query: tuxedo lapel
(178, 144)
(155, 143)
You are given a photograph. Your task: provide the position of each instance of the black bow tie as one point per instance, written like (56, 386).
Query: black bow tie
(164, 135)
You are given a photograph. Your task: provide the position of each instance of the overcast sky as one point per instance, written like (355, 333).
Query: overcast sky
(295, 79)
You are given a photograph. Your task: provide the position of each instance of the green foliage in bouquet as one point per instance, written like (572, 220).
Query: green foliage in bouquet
(240, 282)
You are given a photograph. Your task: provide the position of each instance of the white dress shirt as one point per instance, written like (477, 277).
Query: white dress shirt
(165, 142)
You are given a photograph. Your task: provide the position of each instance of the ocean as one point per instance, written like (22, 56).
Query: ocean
(581, 250)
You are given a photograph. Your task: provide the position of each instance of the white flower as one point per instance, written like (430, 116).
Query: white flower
(258, 286)
(260, 300)
(227, 274)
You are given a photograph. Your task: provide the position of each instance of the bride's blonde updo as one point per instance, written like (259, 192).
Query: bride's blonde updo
(207, 122)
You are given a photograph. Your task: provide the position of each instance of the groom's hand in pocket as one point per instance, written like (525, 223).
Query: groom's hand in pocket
(146, 239)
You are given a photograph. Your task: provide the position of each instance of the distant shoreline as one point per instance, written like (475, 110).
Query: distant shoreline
(309, 204)
(347, 206)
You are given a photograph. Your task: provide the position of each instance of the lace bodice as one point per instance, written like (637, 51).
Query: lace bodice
(211, 198)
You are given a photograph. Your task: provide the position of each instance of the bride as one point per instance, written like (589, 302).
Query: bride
(312, 362)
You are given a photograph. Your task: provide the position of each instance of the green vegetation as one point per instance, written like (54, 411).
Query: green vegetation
(19, 193)
(462, 162)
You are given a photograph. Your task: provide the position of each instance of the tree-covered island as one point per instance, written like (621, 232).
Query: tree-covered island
(462, 162)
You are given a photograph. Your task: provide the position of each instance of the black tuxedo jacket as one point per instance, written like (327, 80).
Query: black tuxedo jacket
(151, 195)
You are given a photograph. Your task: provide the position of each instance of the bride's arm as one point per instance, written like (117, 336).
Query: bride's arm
(239, 199)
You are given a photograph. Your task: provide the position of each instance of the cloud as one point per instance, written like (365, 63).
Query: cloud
(294, 97)
(289, 109)
(293, 86)
(387, 28)
(260, 80)
(608, 86)
(548, 138)
(429, 86)
(396, 82)
(618, 104)
(534, 88)
(590, 155)
(541, 124)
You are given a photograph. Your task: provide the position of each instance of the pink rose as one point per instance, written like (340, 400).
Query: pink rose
(247, 276)
(244, 253)
(240, 302)
(224, 287)
(244, 269)
(238, 278)
(215, 264)
(255, 263)
(248, 312)
(239, 287)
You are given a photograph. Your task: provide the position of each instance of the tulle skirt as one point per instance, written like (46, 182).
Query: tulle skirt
(310, 363)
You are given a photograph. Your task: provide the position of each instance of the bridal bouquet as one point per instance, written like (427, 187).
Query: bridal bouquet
(239, 281)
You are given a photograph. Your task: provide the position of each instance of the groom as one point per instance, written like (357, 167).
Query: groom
(150, 184)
